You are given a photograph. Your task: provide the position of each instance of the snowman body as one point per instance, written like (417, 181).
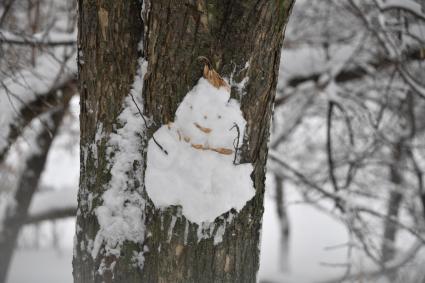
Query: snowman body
(198, 173)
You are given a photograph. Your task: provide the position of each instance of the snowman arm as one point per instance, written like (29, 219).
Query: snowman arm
(236, 140)
(146, 124)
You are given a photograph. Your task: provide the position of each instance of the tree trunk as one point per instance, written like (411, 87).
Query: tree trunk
(284, 227)
(16, 214)
(241, 39)
(394, 203)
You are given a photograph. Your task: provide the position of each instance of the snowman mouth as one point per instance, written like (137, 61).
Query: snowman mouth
(220, 150)
(202, 129)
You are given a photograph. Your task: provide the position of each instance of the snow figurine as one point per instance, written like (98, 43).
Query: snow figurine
(195, 169)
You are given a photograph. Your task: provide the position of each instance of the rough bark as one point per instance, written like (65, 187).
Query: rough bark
(34, 166)
(241, 39)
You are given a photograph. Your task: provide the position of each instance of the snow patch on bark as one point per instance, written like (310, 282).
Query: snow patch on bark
(240, 86)
(218, 237)
(170, 229)
(121, 215)
(215, 230)
(186, 231)
(138, 259)
(197, 171)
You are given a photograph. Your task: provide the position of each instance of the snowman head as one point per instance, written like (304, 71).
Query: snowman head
(207, 116)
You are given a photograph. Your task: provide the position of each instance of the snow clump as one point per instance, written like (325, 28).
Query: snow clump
(196, 169)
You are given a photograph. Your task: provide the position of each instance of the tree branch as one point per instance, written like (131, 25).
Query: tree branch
(31, 110)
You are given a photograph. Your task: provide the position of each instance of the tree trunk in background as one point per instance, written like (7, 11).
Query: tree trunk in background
(394, 203)
(34, 165)
(284, 227)
(241, 39)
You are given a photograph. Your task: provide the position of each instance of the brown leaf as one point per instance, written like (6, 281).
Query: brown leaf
(214, 78)
(222, 150)
(199, 146)
(203, 129)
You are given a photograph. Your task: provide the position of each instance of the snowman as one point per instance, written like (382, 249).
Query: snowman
(197, 170)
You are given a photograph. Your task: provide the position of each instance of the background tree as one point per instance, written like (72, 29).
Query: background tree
(37, 81)
(356, 137)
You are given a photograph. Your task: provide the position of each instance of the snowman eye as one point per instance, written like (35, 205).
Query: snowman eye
(191, 107)
(219, 116)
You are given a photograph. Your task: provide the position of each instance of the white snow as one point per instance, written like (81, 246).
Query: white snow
(312, 232)
(197, 172)
(170, 229)
(121, 215)
(42, 265)
(218, 237)
(241, 86)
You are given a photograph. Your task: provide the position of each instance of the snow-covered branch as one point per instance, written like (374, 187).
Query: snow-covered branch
(32, 91)
(28, 111)
(52, 204)
(41, 39)
(372, 273)
(274, 156)
(409, 6)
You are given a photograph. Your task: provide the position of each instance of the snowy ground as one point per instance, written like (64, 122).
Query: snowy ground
(45, 264)
(312, 232)
(41, 266)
